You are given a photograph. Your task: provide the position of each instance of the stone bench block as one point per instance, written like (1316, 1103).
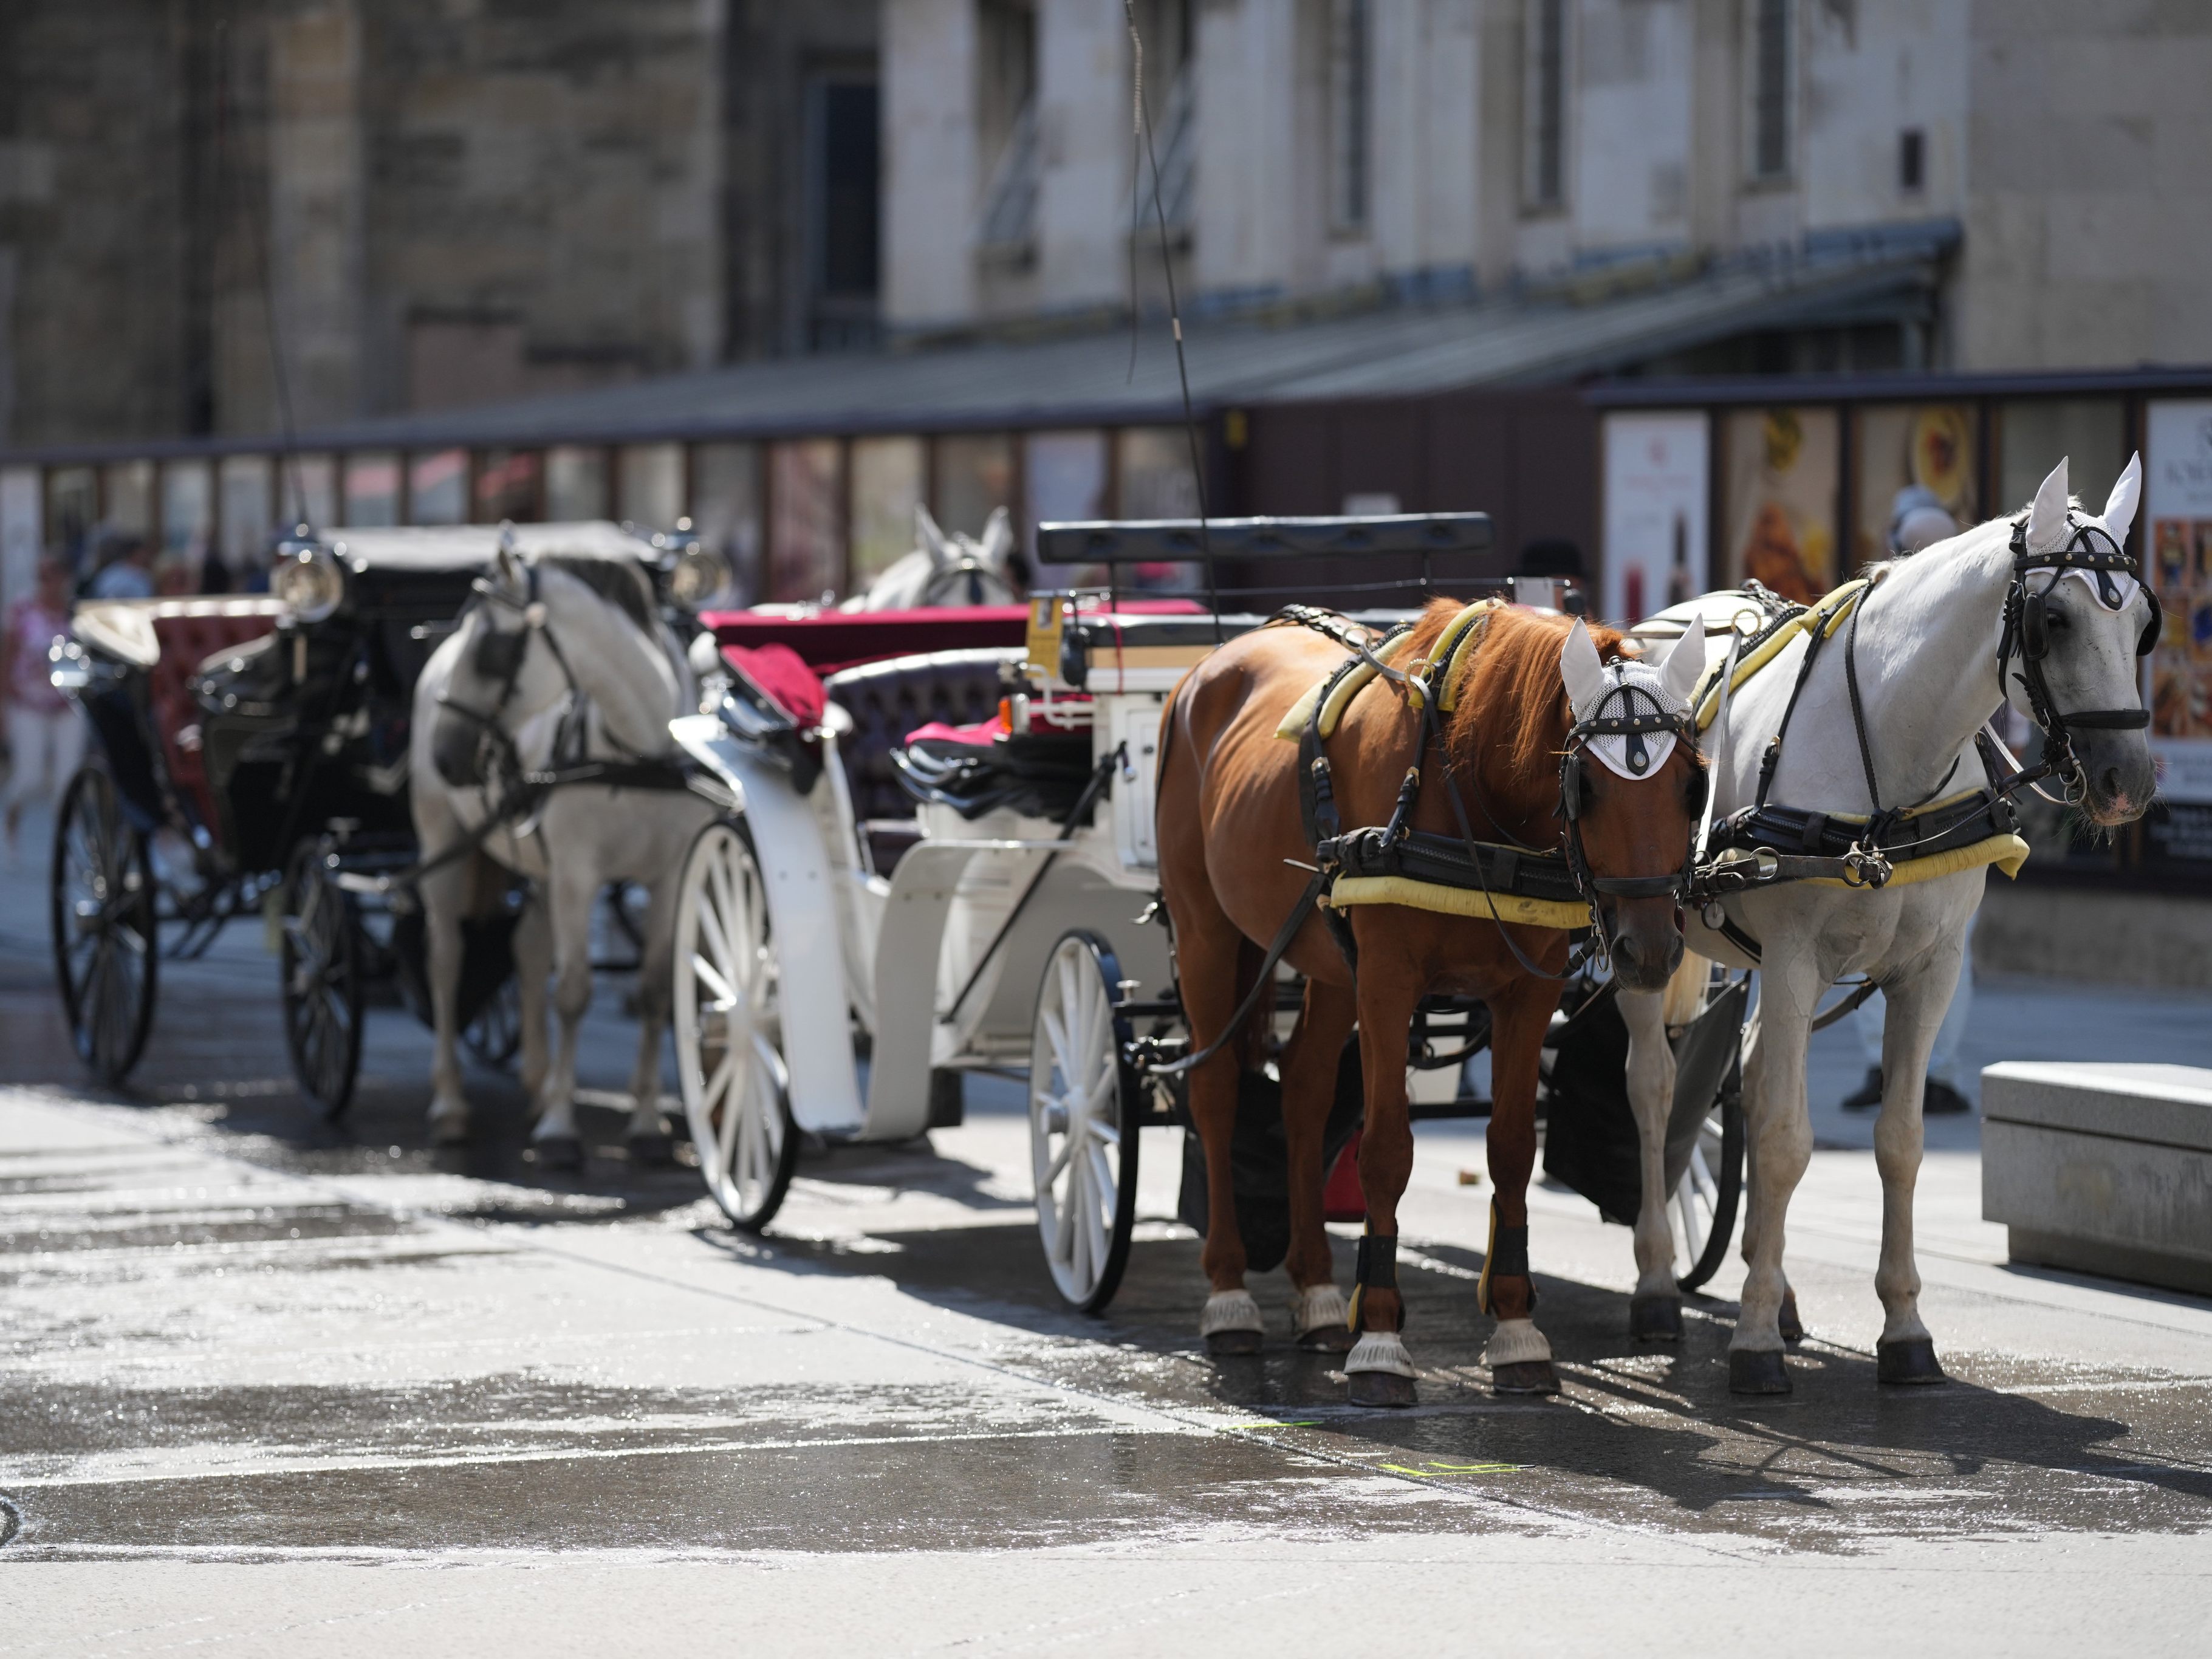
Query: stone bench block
(2102, 1168)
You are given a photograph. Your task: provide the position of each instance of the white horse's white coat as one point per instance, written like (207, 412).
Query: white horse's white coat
(955, 570)
(583, 836)
(1927, 653)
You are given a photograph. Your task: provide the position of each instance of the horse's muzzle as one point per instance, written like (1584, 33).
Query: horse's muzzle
(1647, 944)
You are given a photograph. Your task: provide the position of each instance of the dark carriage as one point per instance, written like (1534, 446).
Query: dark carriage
(251, 758)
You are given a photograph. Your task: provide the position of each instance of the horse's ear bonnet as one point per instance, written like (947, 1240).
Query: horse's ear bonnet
(1626, 687)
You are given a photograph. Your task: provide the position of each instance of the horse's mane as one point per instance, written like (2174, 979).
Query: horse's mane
(1510, 717)
(621, 582)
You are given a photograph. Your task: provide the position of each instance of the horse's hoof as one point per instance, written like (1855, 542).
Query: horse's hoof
(1385, 1390)
(1524, 1377)
(558, 1152)
(1654, 1318)
(1232, 1344)
(1328, 1339)
(1757, 1370)
(1910, 1360)
(1793, 1328)
(449, 1131)
(655, 1151)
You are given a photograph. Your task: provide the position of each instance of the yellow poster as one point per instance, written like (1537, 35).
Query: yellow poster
(1917, 446)
(1782, 491)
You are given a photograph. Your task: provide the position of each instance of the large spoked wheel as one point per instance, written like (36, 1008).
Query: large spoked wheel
(322, 988)
(106, 927)
(1701, 1213)
(1082, 1122)
(729, 1029)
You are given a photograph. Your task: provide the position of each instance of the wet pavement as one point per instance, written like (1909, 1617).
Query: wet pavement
(283, 1385)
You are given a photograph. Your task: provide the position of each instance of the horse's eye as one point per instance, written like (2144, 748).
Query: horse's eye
(2054, 618)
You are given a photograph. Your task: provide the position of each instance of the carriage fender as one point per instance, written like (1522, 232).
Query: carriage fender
(802, 899)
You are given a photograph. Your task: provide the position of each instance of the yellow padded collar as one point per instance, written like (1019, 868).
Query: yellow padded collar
(1828, 615)
(1461, 631)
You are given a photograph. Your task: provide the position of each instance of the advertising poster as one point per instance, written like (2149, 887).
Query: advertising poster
(1781, 491)
(2177, 513)
(1656, 487)
(1927, 447)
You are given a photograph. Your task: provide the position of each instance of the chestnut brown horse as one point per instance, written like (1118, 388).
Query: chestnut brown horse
(1234, 863)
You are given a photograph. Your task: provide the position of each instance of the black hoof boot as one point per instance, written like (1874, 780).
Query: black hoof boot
(1757, 1370)
(1331, 1338)
(1384, 1388)
(1654, 1318)
(1793, 1328)
(1524, 1377)
(558, 1152)
(1229, 1344)
(1910, 1361)
(652, 1152)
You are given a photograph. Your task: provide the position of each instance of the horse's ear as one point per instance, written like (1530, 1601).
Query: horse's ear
(997, 539)
(930, 538)
(2120, 505)
(1585, 674)
(1684, 662)
(509, 567)
(2046, 519)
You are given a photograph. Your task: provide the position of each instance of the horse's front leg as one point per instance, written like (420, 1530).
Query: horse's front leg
(1655, 1311)
(1308, 1067)
(1914, 1013)
(1519, 1357)
(649, 1140)
(1781, 1137)
(568, 896)
(1379, 1368)
(441, 895)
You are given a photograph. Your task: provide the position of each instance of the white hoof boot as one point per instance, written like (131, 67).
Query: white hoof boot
(1230, 1322)
(1520, 1359)
(449, 1123)
(1318, 1320)
(1380, 1351)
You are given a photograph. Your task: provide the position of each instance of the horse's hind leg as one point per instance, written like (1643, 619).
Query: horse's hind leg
(1655, 1311)
(649, 1140)
(1309, 1066)
(441, 895)
(1519, 1357)
(1208, 950)
(569, 898)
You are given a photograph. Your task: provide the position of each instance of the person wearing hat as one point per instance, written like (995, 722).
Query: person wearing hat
(1918, 518)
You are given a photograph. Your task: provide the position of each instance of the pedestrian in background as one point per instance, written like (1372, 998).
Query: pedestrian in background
(45, 736)
(1918, 518)
(128, 573)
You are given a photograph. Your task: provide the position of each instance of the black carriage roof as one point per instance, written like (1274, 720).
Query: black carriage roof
(1169, 541)
(471, 546)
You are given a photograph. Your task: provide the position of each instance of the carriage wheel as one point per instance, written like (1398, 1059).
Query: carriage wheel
(1701, 1215)
(322, 988)
(1083, 1122)
(106, 928)
(729, 1053)
(494, 1036)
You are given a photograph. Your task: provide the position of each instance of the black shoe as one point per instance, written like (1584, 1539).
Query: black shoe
(1869, 1095)
(1940, 1099)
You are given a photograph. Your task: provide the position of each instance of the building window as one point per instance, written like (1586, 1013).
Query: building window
(507, 483)
(372, 490)
(1544, 136)
(438, 487)
(649, 484)
(1771, 71)
(843, 254)
(886, 483)
(575, 483)
(1348, 118)
(1006, 127)
(1912, 160)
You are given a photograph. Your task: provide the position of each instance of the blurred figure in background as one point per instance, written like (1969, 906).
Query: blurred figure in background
(129, 572)
(46, 737)
(1917, 518)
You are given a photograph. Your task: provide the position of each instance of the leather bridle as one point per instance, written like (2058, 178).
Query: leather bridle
(2027, 635)
(499, 655)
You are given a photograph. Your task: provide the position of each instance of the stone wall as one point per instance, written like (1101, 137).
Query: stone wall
(2081, 932)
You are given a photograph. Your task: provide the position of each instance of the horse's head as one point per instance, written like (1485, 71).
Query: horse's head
(2080, 625)
(956, 571)
(1632, 786)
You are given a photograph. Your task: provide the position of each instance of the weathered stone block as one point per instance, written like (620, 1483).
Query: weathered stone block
(2104, 1168)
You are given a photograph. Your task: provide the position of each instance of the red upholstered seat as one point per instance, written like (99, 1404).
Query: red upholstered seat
(187, 641)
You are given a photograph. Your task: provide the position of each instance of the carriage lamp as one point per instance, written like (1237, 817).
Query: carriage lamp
(699, 574)
(307, 580)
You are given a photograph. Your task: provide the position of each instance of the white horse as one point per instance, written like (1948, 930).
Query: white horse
(955, 570)
(1929, 664)
(561, 659)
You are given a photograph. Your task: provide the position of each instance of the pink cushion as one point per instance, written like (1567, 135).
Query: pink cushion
(982, 734)
(783, 674)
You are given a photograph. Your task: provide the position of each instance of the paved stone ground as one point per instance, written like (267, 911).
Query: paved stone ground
(290, 1387)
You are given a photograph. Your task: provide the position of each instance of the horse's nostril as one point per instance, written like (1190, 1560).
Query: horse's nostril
(2109, 784)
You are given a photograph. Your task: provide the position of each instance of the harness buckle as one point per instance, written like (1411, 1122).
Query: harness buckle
(1865, 867)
